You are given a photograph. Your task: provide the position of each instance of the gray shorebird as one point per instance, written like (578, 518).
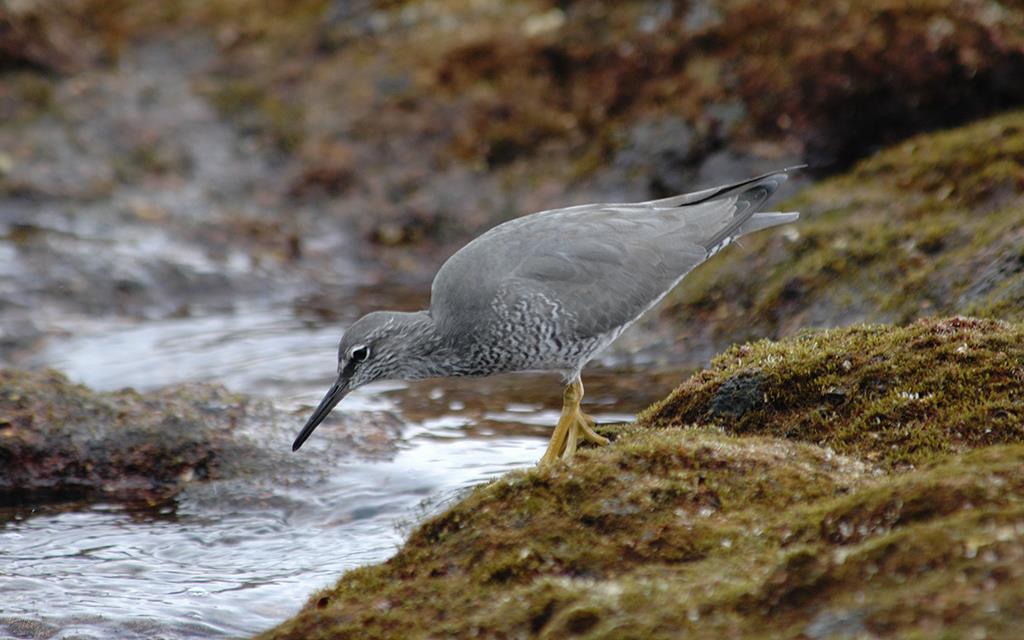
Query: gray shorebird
(547, 292)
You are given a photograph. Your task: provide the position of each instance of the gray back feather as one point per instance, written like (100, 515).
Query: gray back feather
(598, 266)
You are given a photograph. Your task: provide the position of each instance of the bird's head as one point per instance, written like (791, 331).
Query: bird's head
(380, 345)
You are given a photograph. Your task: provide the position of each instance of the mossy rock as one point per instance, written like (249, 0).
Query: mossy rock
(557, 86)
(60, 440)
(895, 397)
(839, 80)
(684, 528)
(932, 226)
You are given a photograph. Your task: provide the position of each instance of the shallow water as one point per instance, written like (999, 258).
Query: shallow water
(235, 557)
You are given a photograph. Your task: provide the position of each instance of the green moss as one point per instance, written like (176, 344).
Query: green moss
(894, 396)
(658, 501)
(931, 226)
(686, 530)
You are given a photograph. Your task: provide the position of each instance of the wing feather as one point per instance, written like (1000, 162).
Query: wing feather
(605, 264)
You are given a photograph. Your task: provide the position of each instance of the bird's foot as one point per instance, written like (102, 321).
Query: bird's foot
(586, 426)
(573, 426)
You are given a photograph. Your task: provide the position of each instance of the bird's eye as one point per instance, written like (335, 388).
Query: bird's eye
(360, 353)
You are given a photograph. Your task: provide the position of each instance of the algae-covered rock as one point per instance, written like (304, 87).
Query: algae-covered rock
(839, 80)
(506, 78)
(59, 440)
(900, 514)
(891, 396)
(931, 226)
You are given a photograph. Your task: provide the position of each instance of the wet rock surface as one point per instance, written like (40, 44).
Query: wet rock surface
(896, 514)
(737, 396)
(60, 441)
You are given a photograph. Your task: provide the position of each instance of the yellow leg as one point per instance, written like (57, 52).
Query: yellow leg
(573, 425)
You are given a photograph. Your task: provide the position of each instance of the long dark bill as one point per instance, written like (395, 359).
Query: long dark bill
(334, 395)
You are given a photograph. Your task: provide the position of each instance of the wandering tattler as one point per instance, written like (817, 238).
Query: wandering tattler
(547, 292)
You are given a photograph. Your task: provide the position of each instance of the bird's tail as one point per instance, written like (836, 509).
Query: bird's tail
(743, 200)
(770, 180)
(765, 220)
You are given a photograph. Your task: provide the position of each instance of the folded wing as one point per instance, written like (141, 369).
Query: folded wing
(603, 265)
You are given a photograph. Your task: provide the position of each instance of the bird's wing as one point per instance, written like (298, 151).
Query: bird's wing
(603, 265)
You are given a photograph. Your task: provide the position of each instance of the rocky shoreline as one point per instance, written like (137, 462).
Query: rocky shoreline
(848, 483)
(191, 158)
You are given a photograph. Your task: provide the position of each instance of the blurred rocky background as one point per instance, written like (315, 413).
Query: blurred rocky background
(214, 161)
(160, 158)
